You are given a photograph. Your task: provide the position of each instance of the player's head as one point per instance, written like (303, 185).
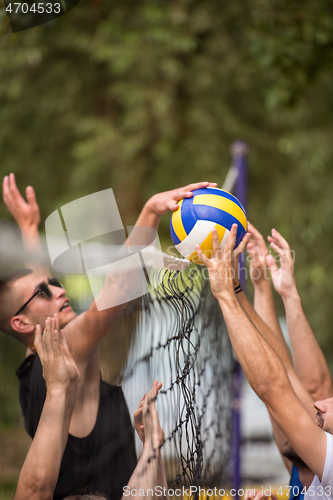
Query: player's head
(28, 299)
(325, 414)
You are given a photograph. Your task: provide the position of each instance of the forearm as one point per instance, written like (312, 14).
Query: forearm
(261, 365)
(148, 217)
(40, 470)
(276, 342)
(34, 249)
(146, 473)
(309, 361)
(276, 352)
(161, 478)
(31, 239)
(265, 307)
(70, 403)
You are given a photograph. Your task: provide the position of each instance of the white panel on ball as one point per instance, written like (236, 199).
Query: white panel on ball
(224, 239)
(199, 233)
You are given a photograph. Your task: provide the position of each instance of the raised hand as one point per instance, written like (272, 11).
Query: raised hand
(152, 434)
(283, 277)
(257, 250)
(73, 372)
(161, 203)
(59, 368)
(221, 267)
(26, 213)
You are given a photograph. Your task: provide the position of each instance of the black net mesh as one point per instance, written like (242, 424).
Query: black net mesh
(175, 334)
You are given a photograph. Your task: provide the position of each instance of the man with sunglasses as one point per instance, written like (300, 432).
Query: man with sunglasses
(100, 434)
(43, 290)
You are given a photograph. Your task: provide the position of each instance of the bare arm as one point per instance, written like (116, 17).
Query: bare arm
(281, 350)
(268, 378)
(309, 361)
(265, 308)
(260, 277)
(87, 330)
(40, 470)
(275, 340)
(262, 366)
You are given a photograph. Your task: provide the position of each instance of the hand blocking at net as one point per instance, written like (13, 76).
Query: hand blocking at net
(146, 422)
(223, 266)
(161, 203)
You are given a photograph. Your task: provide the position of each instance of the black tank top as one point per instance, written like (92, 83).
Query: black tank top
(101, 462)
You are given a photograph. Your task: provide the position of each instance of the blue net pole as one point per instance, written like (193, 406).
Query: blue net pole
(239, 151)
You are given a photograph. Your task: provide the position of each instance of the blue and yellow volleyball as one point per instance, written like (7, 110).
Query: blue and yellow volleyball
(192, 223)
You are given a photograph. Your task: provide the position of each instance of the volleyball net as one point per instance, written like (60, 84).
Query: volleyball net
(181, 340)
(173, 331)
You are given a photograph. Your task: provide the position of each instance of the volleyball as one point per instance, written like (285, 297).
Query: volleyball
(192, 223)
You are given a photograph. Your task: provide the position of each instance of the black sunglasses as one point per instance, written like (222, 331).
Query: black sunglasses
(44, 290)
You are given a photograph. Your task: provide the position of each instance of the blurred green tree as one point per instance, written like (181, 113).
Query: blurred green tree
(147, 95)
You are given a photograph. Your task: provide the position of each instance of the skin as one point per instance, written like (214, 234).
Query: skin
(25, 212)
(148, 427)
(263, 367)
(309, 362)
(265, 307)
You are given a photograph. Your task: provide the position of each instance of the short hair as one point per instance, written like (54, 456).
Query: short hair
(9, 301)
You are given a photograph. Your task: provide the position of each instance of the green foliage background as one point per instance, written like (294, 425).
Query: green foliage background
(146, 95)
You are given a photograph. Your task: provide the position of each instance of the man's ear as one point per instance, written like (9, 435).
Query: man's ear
(21, 324)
